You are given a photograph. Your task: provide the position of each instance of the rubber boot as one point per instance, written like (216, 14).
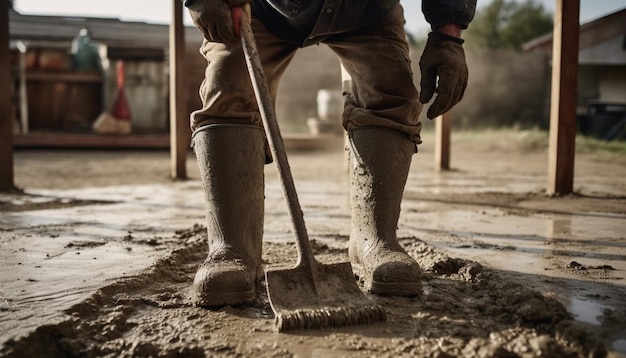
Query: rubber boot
(379, 165)
(231, 159)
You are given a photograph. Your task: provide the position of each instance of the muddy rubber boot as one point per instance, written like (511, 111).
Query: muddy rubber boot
(379, 165)
(231, 159)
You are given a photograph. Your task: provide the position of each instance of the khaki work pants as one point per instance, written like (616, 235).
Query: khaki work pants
(381, 91)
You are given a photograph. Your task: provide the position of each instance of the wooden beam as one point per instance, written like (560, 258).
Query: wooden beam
(179, 120)
(6, 114)
(442, 142)
(564, 97)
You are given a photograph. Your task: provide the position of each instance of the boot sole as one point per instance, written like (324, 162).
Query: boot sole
(396, 289)
(225, 299)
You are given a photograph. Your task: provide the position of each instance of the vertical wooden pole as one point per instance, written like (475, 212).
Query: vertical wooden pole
(179, 121)
(442, 142)
(23, 92)
(6, 115)
(564, 97)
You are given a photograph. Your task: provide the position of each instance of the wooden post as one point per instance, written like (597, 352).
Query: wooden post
(6, 115)
(442, 142)
(564, 97)
(179, 120)
(23, 91)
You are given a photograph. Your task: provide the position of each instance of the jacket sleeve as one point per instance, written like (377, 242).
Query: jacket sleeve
(440, 12)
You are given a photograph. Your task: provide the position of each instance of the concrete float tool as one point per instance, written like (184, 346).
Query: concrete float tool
(311, 295)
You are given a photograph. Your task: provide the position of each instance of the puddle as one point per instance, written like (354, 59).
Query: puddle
(586, 311)
(36, 218)
(153, 195)
(457, 182)
(533, 242)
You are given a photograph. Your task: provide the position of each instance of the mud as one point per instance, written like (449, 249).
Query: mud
(98, 259)
(467, 310)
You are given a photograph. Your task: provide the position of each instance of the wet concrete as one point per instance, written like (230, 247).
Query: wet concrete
(55, 258)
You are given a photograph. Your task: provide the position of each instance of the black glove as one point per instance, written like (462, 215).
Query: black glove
(214, 19)
(443, 59)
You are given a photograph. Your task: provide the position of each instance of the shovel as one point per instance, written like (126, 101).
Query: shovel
(310, 295)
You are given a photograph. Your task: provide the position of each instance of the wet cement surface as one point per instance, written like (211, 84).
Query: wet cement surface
(74, 253)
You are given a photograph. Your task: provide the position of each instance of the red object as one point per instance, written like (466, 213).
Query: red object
(236, 14)
(121, 108)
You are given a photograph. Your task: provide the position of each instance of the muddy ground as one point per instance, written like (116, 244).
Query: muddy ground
(99, 252)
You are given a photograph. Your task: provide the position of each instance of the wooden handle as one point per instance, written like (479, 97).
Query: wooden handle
(275, 140)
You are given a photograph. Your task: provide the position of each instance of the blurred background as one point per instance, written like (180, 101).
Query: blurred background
(66, 57)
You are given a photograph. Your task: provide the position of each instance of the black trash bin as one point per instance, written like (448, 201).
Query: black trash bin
(606, 121)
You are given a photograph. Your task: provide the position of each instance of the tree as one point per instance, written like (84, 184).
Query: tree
(508, 24)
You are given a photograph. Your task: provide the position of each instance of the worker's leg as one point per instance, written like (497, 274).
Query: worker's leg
(230, 146)
(381, 116)
(230, 159)
(379, 164)
(381, 91)
(226, 91)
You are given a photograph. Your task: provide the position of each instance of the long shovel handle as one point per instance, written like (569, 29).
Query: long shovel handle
(262, 93)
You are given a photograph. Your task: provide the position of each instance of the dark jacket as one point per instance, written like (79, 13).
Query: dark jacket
(306, 22)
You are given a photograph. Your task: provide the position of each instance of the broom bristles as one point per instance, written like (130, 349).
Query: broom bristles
(328, 317)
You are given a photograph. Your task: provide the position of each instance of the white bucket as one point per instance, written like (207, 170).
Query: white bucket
(329, 104)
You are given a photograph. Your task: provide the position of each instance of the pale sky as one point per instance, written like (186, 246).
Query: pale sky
(159, 11)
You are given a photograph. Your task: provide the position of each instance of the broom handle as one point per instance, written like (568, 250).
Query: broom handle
(262, 93)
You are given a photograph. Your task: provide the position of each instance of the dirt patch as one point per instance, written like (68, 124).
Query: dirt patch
(466, 310)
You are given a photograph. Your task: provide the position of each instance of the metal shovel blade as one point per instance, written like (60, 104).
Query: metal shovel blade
(322, 296)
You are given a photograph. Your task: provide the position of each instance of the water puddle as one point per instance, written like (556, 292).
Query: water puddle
(154, 195)
(586, 311)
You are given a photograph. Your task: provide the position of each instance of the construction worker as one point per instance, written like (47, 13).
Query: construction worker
(381, 109)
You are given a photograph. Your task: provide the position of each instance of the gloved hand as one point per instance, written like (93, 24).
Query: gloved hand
(444, 71)
(214, 19)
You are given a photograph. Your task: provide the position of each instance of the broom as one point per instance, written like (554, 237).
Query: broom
(311, 295)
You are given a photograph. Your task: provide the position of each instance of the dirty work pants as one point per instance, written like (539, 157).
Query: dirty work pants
(380, 93)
